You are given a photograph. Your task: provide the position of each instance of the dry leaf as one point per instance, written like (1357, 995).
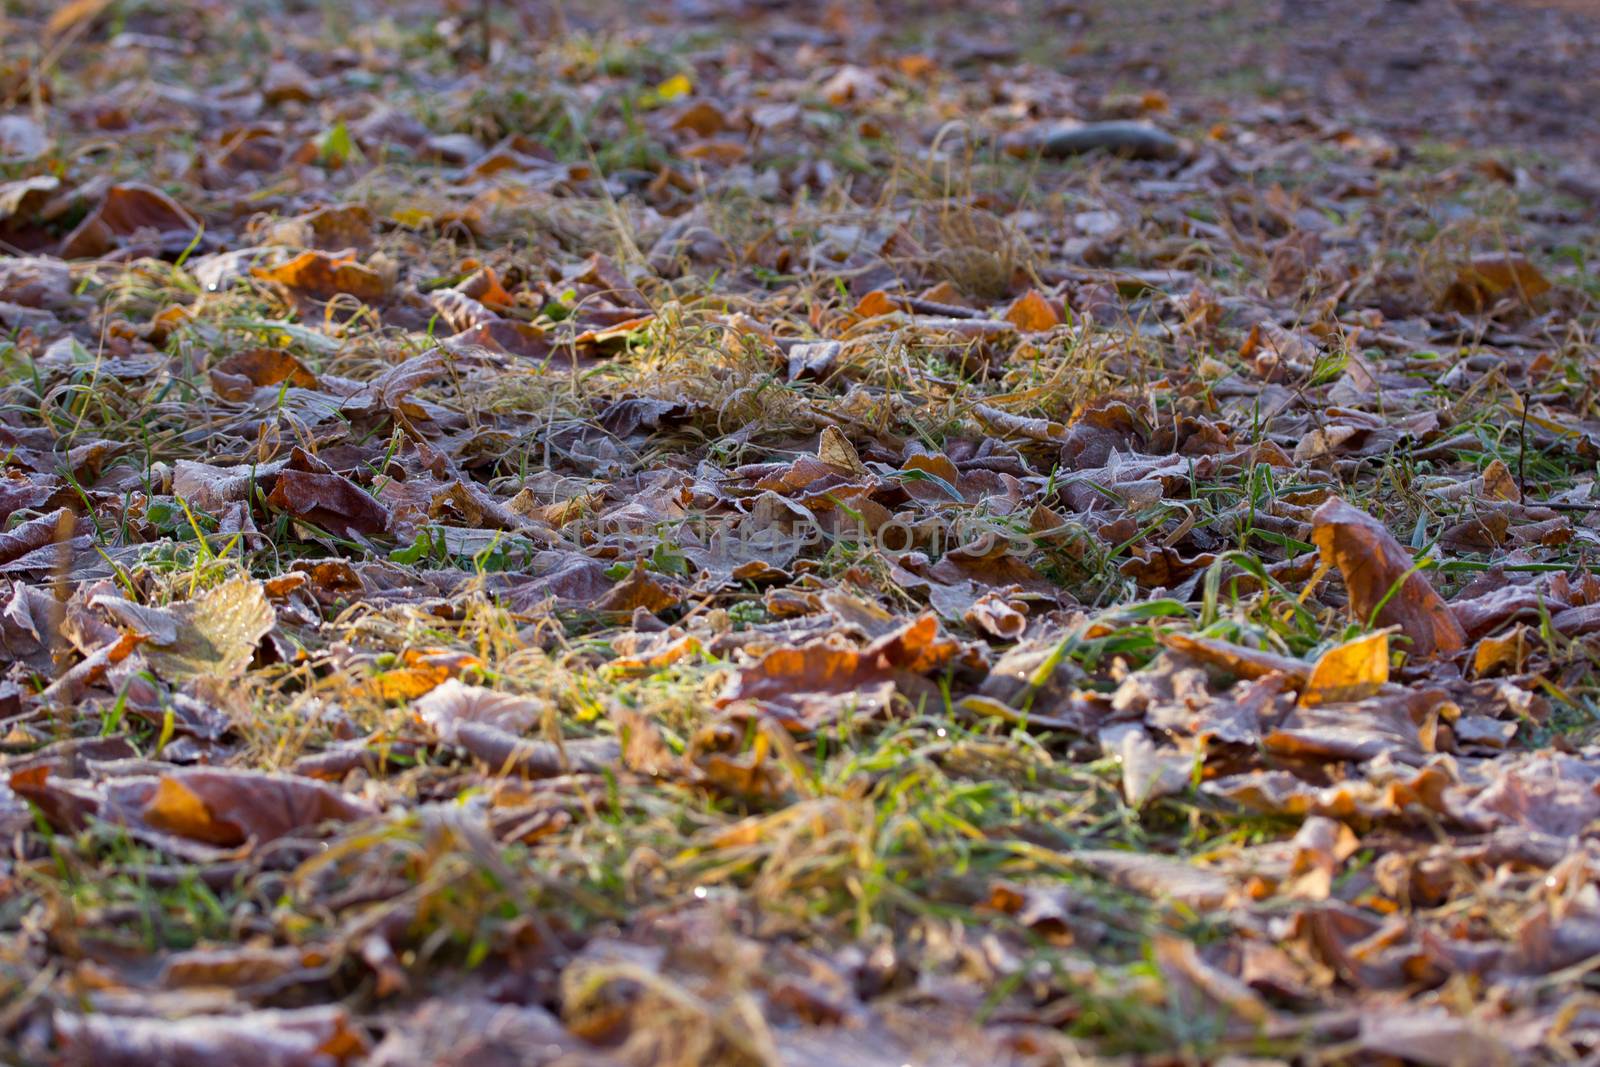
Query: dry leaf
(1032, 313)
(452, 702)
(302, 1037)
(837, 451)
(230, 807)
(1354, 670)
(328, 501)
(1492, 276)
(213, 635)
(131, 212)
(1374, 565)
(324, 275)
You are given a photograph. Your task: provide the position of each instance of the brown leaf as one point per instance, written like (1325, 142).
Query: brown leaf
(328, 229)
(447, 1032)
(55, 528)
(453, 703)
(640, 589)
(237, 967)
(1491, 276)
(1373, 563)
(1435, 1038)
(238, 376)
(506, 753)
(996, 616)
(836, 450)
(20, 200)
(131, 212)
(329, 501)
(1158, 876)
(1180, 961)
(818, 681)
(1236, 660)
(230, 807)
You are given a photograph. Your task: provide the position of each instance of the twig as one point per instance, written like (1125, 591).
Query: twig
(1522, 449)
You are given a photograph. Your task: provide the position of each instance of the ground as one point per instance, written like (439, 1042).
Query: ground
(751, 533)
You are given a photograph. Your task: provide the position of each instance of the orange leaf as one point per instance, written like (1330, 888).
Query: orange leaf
(701, 117)
(231, 807)
(716, 151)
(943, 293)
(484, 286)
(323, 276)
(876, 303)
(1506, 651)
(73, 14)
(177, 809)
(1032, 313)
(916, 65)
(1352, 671)
(406, 683)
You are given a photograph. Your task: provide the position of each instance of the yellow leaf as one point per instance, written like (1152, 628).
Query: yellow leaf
(674, 88)
(1351, 671)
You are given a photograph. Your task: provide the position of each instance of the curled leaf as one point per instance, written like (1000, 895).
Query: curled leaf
(1380, 578)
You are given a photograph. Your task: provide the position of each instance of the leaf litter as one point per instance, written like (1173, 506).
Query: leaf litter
(749, 535)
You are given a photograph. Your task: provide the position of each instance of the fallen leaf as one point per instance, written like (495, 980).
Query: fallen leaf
(232, 807)
(1158, 876)
(1508, 651)
(214, 635)
(301, 1037)
(240, 374)
(876, 303)
(1032, 313)
(21, 140)
(452, 702)
(329, 501)
(815, 682)
(1491, 276)
(836, 451)
(1354, 670)
(131, 212)
(1236, 660)
(1374, 566)
(72, 14)
(325, 275)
